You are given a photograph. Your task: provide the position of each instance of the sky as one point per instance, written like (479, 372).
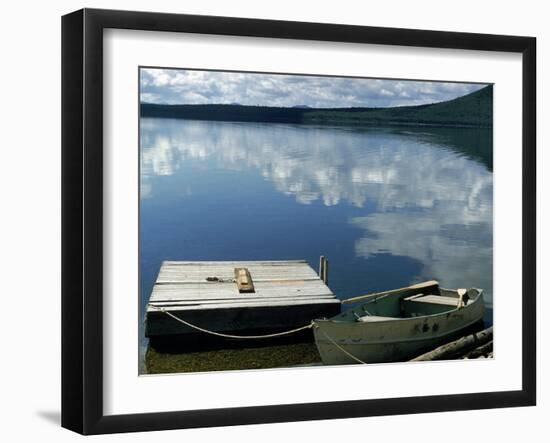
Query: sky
(179, 86)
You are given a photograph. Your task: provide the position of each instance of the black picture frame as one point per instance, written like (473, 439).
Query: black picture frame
(82, 219)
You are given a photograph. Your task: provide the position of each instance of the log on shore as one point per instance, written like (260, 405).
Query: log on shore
(458, 347)
(481, 351)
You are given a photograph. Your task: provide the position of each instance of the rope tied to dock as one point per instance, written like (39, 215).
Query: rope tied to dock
(219, 334)
(255, 337)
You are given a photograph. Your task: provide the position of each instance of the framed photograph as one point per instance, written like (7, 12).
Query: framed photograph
(269, 221)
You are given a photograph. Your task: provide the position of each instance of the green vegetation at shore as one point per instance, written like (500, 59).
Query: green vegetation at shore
(471, 110)
(273, 356)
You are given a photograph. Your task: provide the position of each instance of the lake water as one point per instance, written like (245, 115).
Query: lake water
(387, 206)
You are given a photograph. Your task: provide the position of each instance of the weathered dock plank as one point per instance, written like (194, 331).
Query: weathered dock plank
(203, 298)
(221, 304)
(229, 290)
(286, 294)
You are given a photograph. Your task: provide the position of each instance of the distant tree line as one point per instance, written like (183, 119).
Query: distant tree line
(471, 110)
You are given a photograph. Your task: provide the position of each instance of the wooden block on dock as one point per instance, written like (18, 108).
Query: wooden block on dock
(284, 295)
(244, 280)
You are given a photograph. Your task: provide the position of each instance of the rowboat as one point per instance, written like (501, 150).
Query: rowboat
(397, 325)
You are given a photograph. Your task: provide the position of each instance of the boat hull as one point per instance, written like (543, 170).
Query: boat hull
(392, 340)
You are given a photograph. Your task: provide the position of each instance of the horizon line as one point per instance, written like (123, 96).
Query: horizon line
(306, 107)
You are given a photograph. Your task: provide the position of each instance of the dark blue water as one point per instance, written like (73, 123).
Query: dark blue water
(387, 206)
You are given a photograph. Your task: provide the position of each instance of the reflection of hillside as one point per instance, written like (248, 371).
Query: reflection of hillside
(430, 203)
(476, 144)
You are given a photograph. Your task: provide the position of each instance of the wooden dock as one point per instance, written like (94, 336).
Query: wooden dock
(236, 297)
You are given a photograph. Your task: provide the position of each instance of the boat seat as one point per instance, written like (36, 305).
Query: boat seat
(435, 299)
(373, 318)
(421, 304)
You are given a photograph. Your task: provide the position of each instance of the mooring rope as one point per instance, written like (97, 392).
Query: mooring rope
(342, 349)
(219, 334)
(277, 334)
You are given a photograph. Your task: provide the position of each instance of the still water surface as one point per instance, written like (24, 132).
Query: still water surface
(387, 206)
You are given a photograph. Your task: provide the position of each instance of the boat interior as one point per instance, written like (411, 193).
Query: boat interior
(393, 306)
